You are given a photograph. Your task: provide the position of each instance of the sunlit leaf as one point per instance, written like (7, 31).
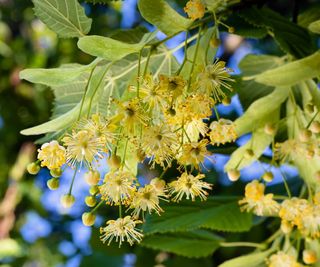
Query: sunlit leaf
(65, 17)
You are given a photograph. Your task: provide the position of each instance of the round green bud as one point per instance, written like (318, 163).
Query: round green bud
(310, 108)
(215, 42)
(317, 176)
(94, 190)
(92, 177)
(231, 29)
(88, 218)
(248, 154)
(270, 129)
(56, 172)
(226, 101)
(305, 135)
(33, 168)
(53, 183)
(309, 256)
(233, 175)
(67, 200)
(91, 201)
(315, 127)
(114, 162)
(268, 176)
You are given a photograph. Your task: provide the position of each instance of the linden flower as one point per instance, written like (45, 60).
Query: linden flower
(52, 155)
(122, 229)
(131, 114)
(146, 199)
(291, 210)
(157, 143)
(195, 128)
(118, 187)
(152, 93)
(281, 259)
(83, 146)
(309, 224)
(194, 153)
(189, 185)
(195, 9)
(256, 201)
(99, 127)
(173, 85)
(287, 150)
(198, 106)
(213, 78)
(222, 131)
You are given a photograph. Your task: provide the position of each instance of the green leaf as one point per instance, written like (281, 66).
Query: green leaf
(291, 38)
(251, 260)
(116, 81)
(56, 76)
(254, 64)
(107, 48)
(293, 72)
(165, 18)
(258, 143)
(312, 13)
(194, 244)
(260, 110)
(211, 214)
(102, 2)
(315, 27)
(65, 17)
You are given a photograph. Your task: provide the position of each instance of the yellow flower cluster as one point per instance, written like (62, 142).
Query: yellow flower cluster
(162, 120)
(282, 259)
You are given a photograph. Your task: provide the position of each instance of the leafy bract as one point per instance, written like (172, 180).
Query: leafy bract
(111, 49)
(165, 18)
(293, 72)
(260, 110)
(250, 260)
(212, 214)
(65, 17)
(315, 26)
(193, 244)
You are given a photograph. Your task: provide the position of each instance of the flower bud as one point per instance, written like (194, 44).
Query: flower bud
(226, 101)
(267, 176)
(305, 135)
(310, 108)
(88, 218)
(315, 127)
(317, 176)
(67, 200)
(248, 154)
(33, 168)
(309, 256)
(270, 129)
(53, 183)
(91, 201)
(114, 162)
(94, 190)
(158, 183)
(215, 42)
(286, 227)
(231, 30)
(233, 175)
(92, 177)
(56, 172)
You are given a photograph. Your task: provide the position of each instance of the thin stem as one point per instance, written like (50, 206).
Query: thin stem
(96, 89)
(72, 181)
(194, 57)
(313, 118)
(97, 206)
(285, 183)
(125, 152)
(216, 112)
(85, 92)
(147, 62)
(120, 210)
(242, 244)
(139, 67)
(185, 53)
